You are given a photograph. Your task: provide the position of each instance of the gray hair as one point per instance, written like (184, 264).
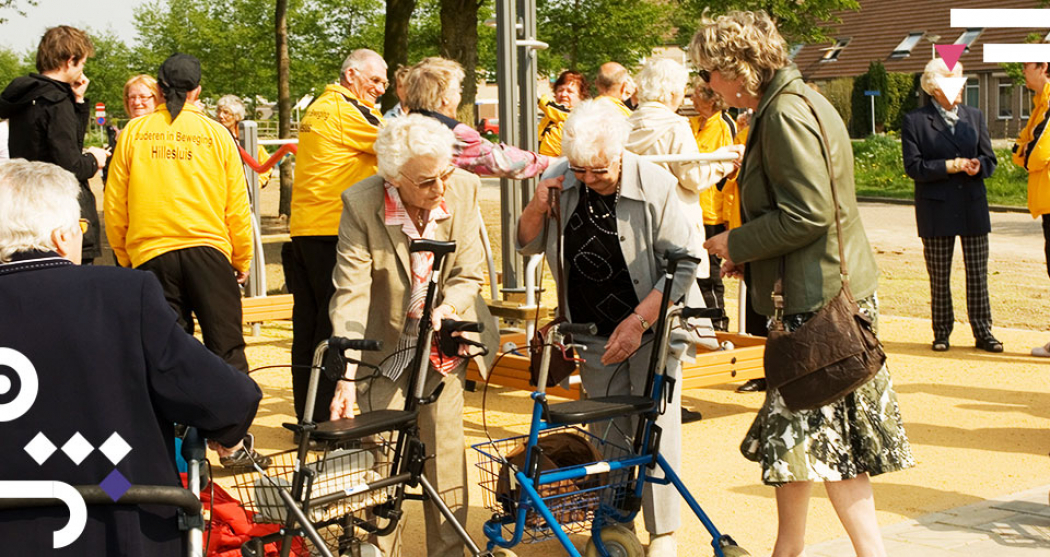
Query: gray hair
(234, 104)
(611, 74)
(661, 80)
(937, 68)
(596, 128)
(357, 58)
(403, 139)
(36, 198)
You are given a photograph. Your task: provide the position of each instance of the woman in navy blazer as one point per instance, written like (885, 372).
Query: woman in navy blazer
(948, 153)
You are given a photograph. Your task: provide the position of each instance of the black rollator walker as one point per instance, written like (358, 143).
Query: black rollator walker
(356, 488)
(535, 497)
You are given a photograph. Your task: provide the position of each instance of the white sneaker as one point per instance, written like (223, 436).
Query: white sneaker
(1042, 351)
(663, 545)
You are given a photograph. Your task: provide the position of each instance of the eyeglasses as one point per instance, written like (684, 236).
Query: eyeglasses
(584, 170)
(374, 80)
(704, 75)
(428, 183)
(139, 98)
(84, 225)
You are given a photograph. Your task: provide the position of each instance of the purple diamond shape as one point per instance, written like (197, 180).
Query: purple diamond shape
(115, 485)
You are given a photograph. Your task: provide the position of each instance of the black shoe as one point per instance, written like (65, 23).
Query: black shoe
(940, 345)
(990, 344)
(752, 386)
(689, 416)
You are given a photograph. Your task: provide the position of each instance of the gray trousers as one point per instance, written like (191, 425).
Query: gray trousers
(441, 429)
(660, 503)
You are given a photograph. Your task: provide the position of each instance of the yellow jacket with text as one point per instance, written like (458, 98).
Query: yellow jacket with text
(731, 191)
(554, 117)
(176, 185)
(717, 132)
(1032, 152)
(337, 138)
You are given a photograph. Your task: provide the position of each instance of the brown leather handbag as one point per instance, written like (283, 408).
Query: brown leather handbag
(836, 350)
(563, 361)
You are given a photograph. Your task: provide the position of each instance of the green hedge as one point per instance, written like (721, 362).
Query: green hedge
(899, 96)
(879, 171)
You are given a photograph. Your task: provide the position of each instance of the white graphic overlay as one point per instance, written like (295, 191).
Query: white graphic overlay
(53, 490)
(77, 448)
(40, 448)
(26, 396)
(951, 86)
(986, 18)
(115, 448)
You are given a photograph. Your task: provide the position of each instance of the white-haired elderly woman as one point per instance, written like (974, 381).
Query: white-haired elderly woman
(620, 217)
(100, 341)
(947, 151)
(379, 291)
(656, 129)
(229, 111)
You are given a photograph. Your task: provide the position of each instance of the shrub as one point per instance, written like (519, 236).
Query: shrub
(838, 92)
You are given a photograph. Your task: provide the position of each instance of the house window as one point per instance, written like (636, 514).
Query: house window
(832, 52)
(1006, 93)
(968, 37)
(903, 50)
(973, 92)
(1026, 102)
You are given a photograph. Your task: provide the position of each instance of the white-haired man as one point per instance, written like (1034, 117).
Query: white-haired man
(336, 150)
(112, 366)
(621, 217)
(380, 290)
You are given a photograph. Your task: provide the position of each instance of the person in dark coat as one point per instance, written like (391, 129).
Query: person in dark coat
(114, 372)
(948, 153)
(49, 116)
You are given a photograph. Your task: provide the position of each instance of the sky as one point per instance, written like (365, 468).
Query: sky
(23, 33)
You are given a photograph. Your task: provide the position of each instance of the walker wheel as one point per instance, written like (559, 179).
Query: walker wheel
(619, 542)
(503, 552)
(734, 551)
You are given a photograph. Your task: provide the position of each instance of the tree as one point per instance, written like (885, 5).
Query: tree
(108, 69)
(798, 21)
(584, 34)
(395, 43)
(459, 42)
(13, 65)
(284, 100)
(15, 6)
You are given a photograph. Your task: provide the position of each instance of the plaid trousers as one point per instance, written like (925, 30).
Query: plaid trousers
(938, 254)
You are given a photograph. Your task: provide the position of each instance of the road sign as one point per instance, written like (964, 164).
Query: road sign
(100, 110)
(872, 93)
(101, 120)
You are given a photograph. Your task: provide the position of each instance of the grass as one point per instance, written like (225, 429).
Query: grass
(879, 172)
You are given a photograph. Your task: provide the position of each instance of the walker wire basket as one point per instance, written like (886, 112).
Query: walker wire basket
(341, 523)
(573, 502)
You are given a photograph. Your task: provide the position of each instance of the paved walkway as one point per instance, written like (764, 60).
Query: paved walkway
(1017, 524)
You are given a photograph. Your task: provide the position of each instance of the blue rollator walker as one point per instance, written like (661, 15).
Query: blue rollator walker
(535, 498)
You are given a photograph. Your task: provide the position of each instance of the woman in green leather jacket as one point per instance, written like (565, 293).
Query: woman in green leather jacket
(788, 213)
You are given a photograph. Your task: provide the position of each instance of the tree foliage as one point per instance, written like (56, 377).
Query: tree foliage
(800, 21)
(8, 6)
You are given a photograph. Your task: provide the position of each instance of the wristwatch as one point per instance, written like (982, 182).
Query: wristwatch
(645, 324)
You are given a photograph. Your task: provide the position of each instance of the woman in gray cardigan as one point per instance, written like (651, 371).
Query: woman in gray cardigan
(620, 217)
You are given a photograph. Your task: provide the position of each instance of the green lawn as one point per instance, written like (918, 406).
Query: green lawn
(879, 172)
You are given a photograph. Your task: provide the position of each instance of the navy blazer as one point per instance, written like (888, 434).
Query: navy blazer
(948, 204)
(110, 358)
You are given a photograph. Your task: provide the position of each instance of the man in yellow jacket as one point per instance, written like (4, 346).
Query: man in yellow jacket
(177, 206)
(1032, 151)
(336, 138)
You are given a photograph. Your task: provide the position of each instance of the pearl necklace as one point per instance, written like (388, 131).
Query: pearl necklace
(608, 211)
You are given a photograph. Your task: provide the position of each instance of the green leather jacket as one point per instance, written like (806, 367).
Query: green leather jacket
(785, 153)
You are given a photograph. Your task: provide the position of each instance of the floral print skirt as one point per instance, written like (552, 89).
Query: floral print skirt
(861, 433)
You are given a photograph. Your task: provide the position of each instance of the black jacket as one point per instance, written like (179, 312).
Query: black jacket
(47, 124)
(109, 358)
(947, 204)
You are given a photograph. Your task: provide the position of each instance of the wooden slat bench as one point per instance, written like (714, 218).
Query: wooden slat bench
(266, 308)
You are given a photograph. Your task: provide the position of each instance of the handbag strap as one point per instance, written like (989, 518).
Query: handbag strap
(778, 286)
(555, 204)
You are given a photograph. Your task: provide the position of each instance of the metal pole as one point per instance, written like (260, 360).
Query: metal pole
(510, 194)
(249, 131)
(528, 69)
(872, 114)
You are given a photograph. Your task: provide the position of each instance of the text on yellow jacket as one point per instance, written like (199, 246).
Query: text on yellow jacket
(176, 185)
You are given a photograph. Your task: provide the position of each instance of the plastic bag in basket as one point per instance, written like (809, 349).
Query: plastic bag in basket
(338, 472)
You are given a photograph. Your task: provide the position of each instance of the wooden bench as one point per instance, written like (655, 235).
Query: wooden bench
(266, 308)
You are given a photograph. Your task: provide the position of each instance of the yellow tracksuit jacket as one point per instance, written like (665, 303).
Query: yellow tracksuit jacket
(717, 132)
(554, 117)
(176, 185)
(337, 138)
(1032, 152)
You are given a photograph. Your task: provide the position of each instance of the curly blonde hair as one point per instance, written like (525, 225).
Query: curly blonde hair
(740, 45)
(704, 91)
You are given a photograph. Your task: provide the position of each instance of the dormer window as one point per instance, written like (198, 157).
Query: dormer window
(968, 37)
(832, 53)
(904, 49)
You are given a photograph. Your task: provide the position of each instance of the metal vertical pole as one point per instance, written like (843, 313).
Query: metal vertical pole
(510, 193)
(527, 71)
(249, 131)
(872, 114)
